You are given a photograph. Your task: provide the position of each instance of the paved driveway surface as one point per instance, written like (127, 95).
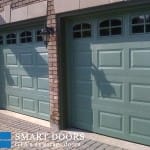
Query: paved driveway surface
(29, 136)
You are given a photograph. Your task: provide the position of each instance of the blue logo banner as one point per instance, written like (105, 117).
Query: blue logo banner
(5, 139)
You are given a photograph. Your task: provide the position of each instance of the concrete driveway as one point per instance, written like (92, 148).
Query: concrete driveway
(29, 133)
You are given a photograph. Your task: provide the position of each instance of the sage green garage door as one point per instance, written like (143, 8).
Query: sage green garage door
(109, 78)
(24, 73)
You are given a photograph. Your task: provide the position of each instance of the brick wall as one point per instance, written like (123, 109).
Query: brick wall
(16, 3)
(53, 68)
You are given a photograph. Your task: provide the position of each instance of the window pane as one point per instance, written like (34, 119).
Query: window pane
(8, 36)
(13, 41)
(28, 33)
(104, 23)
(147, 18)
(104, 32)
(86, 34)
(39, 38)
(8, 42)
(77, 34)
(26, 37)
(1, 37)
(147, 28)
(77, 27)
(138, 29)
(1, 40)
(38, 32)
(11, 38)
(23, 34)
(86, 26)
(29, 39)
(138, 20)
(115, 31)
(115, 22)
(23, 40)
(13, 35)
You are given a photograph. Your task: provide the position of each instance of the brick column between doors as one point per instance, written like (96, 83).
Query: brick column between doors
(53, 69)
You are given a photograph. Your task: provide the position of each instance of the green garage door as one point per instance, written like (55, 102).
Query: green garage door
(24, 73)
(109, 76)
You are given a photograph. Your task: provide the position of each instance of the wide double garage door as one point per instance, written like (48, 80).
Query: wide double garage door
(109, 75)
(24, 72)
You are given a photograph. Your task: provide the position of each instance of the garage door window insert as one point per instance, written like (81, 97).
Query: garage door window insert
(82, 30)
(11, 38)
(110, 27)
(141, 24)
(26, 37)
(39, 36)
(1, 40)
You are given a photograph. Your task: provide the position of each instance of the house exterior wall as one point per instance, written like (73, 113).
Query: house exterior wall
(17, 3)
(18, 10)
(70, 5)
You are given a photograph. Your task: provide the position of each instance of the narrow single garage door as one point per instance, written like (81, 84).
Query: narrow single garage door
(109, 75)
(24, 72)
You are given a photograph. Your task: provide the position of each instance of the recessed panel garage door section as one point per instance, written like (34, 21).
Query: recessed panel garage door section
(24, 73)
(109, 82)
